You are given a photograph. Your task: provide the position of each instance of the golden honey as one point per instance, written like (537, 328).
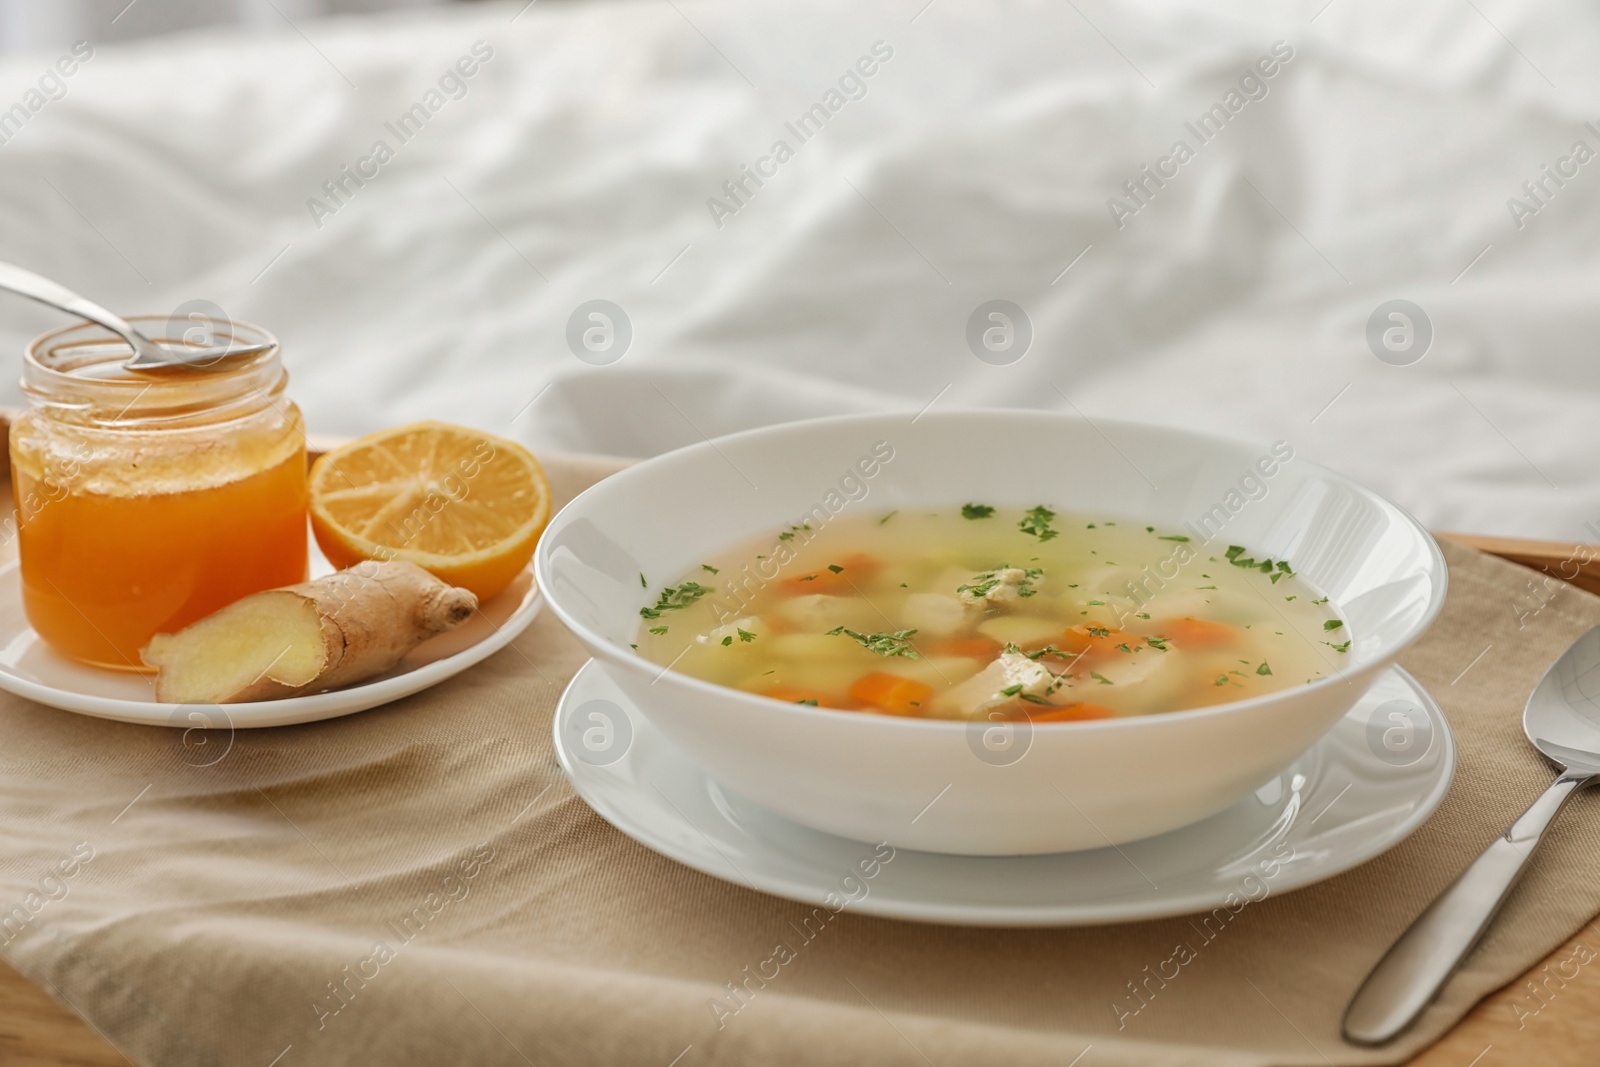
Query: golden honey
(146, 501)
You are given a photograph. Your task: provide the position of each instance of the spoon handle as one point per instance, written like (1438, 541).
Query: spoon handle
(1416, 966)
(36, 287)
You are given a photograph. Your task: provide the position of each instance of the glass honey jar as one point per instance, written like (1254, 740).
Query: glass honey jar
(146, 500)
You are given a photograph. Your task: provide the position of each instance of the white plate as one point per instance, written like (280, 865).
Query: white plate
(1338, 805)
(30, 668)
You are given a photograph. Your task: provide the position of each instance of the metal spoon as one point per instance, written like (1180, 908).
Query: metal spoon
(1562, 720)
(148, 355)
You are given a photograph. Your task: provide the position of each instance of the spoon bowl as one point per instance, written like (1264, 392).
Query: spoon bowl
(1562, 718)
(148, 355)
(182, 356)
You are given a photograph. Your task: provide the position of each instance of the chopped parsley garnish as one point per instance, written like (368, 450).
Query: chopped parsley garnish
(889, 516)
(1222, 679)
(788, 535)
(1263, 669)
(807, 703)
(835, 568)
(709, 567)
(726, 641)
(1036, 521)
(1144, 615)
(1157, 642)
(1173, 537)
(1047, 650)
(1102, 679)
(744, 635)
(658, 630)
(1333, 624)
(982, 584)
(1099, 631)
(1288, 598)
(1096, 603)
(1278, 569)
(1149, 529)
(1030, 698)
(1205, 587)
(675, 597)
(642, 583)
(976, 511)
(1011, 690)
(1324, 600)
(1124, 647)
(1342, 647)
(883, 643)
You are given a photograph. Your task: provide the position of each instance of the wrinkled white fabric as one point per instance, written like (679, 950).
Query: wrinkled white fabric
(977, 165)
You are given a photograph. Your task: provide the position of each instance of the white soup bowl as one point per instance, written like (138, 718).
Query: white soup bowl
(976, 788)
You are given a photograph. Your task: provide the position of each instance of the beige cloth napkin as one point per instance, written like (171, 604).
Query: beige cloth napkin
(419, 885)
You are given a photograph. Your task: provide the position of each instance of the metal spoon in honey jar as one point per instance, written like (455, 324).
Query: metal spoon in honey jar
(148, 356)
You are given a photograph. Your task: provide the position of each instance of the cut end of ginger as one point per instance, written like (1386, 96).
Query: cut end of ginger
(271, 638)
(317, 635)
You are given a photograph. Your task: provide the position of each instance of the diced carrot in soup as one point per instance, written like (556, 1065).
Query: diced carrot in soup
(852, 571)
(814, 582)
(1095, 639)
(892, 693)
(1096, 647)
(1073, 713)
(1196, 633)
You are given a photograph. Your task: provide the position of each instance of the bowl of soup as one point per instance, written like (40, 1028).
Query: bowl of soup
(990, 632)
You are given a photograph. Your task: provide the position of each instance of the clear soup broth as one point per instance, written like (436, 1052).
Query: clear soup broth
(977, 612)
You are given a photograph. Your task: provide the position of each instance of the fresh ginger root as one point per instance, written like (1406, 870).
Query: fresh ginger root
(306, 638)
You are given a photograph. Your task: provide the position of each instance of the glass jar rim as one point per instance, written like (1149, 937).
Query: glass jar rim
(146, 398)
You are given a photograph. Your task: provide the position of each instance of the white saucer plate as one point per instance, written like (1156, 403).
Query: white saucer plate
(30, 668)
(1365, 786)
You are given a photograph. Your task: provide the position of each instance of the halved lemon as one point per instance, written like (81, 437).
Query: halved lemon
(465, 505)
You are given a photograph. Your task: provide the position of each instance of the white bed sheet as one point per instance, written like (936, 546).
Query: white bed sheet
(977, 165)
